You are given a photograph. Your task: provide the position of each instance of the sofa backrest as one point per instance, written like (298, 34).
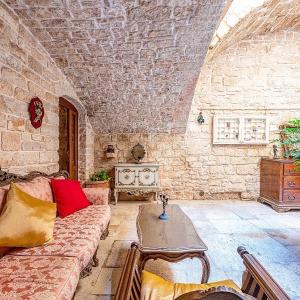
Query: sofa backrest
(36, 184)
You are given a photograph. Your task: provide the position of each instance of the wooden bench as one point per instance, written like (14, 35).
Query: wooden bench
(256, 282)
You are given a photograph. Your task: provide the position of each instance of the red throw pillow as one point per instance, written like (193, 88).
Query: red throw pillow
(69, 196)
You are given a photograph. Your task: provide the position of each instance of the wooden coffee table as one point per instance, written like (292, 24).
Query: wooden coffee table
(171, 240)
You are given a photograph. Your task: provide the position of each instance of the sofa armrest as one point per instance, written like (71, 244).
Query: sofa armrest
(97, 196)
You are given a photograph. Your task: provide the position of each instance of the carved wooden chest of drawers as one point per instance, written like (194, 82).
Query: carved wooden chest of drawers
(279, 184)
(136, 178)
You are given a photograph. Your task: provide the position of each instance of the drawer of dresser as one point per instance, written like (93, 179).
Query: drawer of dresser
(291, 182)
(291, 195)
(290, 169)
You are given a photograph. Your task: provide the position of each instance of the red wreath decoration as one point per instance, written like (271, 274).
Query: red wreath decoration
(36, 111)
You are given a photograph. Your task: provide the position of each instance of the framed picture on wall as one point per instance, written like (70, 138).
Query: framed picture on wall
(236, 130)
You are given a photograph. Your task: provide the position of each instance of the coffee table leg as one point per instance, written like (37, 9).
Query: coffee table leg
(175, 257)
(143, 259)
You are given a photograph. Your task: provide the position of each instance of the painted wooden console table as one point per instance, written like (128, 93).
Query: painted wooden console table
(137, 179)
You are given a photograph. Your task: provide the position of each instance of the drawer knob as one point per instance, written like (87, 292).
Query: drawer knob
(291, 183)
(291, 197)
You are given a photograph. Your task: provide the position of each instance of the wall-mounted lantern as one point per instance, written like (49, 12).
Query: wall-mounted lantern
(110, 151)
(200, 118)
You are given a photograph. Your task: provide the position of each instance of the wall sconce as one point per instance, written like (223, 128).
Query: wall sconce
(110, 151)
(200, 118)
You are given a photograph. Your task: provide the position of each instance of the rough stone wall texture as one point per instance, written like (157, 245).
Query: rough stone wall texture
(273, 16)
(27, 71)
(134, 63)
(259, 76)
(89, 151)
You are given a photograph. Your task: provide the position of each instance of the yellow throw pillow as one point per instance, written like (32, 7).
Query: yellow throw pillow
(26, 221)
(156, 288)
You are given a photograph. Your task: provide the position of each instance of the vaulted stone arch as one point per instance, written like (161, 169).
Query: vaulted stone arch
(134, 63)
(272, 16)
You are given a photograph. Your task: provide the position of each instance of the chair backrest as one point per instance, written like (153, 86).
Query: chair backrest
(130, 284)
(257, 282)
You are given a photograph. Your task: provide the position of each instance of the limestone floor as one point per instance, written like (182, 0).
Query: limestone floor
(223, 225)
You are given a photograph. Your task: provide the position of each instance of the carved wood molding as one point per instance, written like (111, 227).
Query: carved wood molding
(137, 191)
(7, 178)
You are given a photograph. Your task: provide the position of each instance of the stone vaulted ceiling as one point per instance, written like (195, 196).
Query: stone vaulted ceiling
(272, 16)
(134, 63)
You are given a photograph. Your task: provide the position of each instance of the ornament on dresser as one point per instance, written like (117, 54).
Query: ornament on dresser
(138, 152)
(36, 111)
(275, 152)
(164, 199)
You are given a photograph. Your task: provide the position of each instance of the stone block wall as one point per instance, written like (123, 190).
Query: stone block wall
(143, 54)
(27, 71)
(254, 77)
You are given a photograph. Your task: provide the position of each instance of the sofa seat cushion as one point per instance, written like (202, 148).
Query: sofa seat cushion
(74, 236)
(42, 277)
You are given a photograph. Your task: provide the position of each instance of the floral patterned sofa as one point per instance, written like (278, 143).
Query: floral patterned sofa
(52, 271)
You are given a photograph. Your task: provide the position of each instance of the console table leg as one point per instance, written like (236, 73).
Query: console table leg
(116, 197)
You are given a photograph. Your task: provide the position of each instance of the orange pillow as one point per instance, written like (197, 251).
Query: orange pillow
(26, 221)
(3, 192)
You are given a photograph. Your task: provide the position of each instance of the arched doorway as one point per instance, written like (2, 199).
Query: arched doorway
(68, 138)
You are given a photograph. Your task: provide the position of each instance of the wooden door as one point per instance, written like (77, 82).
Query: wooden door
(68, 138)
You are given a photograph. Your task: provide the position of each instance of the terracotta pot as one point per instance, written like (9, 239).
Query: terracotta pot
(98, 184)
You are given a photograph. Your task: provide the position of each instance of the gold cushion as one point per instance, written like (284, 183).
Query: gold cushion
(154, 287)
(25, 221)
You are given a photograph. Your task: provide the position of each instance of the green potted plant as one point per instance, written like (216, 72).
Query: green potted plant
(99, 179)
(290, 141)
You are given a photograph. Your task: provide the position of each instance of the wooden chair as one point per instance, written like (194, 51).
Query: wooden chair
(216, 293)
(257, 282)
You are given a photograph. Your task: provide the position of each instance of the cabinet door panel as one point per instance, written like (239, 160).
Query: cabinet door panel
(291, 182)
(126, 177)
(147, 177)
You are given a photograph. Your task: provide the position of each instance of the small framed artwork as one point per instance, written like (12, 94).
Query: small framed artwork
(227, 130)
(240, 130)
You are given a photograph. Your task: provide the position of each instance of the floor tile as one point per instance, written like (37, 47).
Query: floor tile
(223, 225)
